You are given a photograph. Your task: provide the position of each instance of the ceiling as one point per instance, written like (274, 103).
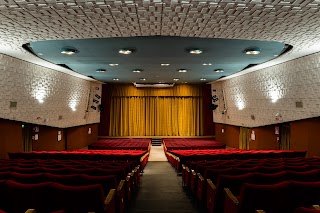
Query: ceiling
(150, 52)
(293, 22)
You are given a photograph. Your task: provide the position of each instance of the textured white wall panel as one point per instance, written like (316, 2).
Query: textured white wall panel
(43, 94)
(269, 92)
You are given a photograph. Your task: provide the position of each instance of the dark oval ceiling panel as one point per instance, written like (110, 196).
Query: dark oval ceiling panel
(88, 56)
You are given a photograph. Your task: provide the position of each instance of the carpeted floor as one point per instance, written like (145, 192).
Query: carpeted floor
(157, 154)
(161, 191)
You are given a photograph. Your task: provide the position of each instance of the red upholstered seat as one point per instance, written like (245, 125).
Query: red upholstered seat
(305, 176)
(80, 199)
(27, 178)
(305, 194)
(21, 197)
(306, 210)
(271, 198)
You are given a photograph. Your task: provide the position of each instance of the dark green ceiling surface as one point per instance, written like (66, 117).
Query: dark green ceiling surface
(150, 52)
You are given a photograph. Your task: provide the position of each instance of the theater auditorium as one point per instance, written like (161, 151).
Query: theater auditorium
(159, 106)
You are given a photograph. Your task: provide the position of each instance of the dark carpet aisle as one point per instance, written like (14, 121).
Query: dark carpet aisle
(161, 191)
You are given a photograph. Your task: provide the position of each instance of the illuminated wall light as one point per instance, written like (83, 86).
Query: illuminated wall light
(182, 70)
(116, 79)
(240, 102)
(137, 71)
(206, 64)
(164, 65)
(142, 79)
(219, 70)
(73, 105)
(40, 91)
(176, 79)
(202, 79)
(113, 65)
(274, 90)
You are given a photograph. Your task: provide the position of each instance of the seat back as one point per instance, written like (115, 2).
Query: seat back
(271, 198)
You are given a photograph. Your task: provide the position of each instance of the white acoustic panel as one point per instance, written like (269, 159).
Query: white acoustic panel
(42, 95)
(270, 95)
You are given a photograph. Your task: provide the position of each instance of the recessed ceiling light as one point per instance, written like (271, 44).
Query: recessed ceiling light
(69, 51)
(136, 70)
(113, 65)
(252, 51)
(218, 70)
(40, 53)
(125, 51)
(206, 64)
(182, 70)
(165, 65)
(275, 55)
(176, 79)
(101, 70)
(195, 51)
(202, 79)
(116, 79)
(142, 79)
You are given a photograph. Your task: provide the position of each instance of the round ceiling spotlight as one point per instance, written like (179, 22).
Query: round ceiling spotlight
(113, 65)
(142, 79)
(218, 70)
(125, 51)
(137, 70)
(116, 79)
(202, 79)
(182, 70)
(206, 64)
(176, 79)
(101, 70)
(252, 51)
(69, 51)
(164, 65)
(195, 51)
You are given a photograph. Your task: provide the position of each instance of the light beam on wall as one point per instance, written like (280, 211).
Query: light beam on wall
(274, 90)
(240, 102)
(40, 91)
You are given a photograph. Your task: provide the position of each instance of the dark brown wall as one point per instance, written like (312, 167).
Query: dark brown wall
(265, 138)
(105, 112)
(11, 137)
(230, 136)
(48, 139)
(207, 114)
(305, 135)
(78, 137)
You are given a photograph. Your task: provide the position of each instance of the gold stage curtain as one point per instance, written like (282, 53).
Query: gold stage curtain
(150, 115)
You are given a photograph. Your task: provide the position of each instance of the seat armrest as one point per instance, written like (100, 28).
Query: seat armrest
(317, 207)
(260, 211)
(121, 185)
(110, 197)
(210, 184)
(230, 195)
(31, 211)
(200, 177)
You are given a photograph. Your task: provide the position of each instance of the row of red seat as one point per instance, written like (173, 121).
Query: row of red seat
(182, 156)
(96, 155)
(215, 192)
(306, 169)
(49, 197)
(122, 144)
(276, 198)
(191, 143)
(127, 179)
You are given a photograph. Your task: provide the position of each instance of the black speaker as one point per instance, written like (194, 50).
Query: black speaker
(213, 106)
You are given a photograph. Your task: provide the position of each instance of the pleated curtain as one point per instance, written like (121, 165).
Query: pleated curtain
(156, 112)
